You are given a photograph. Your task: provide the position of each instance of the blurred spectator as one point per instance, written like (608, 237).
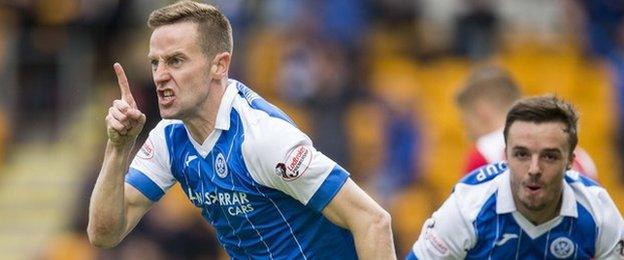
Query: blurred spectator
(329, 103)
(616, 62)
(476, 30)
(316, 73)
(484, 101)
(344, 22)
(394, 90)
(399, 167)
(602, 20)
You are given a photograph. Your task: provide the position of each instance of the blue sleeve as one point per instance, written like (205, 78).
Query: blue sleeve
(144, 184)
(330, 187)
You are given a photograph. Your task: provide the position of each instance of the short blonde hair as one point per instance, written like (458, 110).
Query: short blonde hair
(214, 29)
(491, 82)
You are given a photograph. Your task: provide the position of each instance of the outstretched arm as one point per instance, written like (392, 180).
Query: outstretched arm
(370, 224)
(116, 207)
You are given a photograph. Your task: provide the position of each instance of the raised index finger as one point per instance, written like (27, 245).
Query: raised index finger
(124, 87)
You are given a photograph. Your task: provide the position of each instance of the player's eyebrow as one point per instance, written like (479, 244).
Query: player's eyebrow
(519, 147)
(551, 150)
(166, 57)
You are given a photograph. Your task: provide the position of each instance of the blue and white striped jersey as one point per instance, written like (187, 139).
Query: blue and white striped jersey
(480, 221)
(256, 178)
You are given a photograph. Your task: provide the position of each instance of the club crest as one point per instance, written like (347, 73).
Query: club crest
(220, 166)
(562, 247)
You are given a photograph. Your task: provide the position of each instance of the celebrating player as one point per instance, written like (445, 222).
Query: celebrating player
(256, 177)
(532, 207)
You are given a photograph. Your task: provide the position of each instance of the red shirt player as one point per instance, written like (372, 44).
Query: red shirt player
(483, 101)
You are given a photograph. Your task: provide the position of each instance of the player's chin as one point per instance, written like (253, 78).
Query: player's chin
(167, 114)
(534, 203)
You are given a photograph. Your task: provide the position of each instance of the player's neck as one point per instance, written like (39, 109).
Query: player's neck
(203, 122)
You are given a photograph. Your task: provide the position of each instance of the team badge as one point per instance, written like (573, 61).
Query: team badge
(220, 166)
(296, 163)
(147, 150)
(562, 247)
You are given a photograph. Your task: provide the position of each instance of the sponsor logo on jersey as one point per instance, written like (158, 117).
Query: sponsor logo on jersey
(235, 203)
(280, 170)
(506, 237)
(562, 247)
(220, 166)
(147, 150)
(296, 163)
(437, 243)
(190, 159)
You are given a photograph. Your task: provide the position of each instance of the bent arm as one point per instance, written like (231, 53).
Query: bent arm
(115, 207)
(446, 235)
(370, 224)
(610, 244)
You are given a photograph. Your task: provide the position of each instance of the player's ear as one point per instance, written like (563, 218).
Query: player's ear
(220, 65)
(571, 161)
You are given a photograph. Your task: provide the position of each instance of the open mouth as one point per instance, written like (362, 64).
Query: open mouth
(533, 187)
(166, 96)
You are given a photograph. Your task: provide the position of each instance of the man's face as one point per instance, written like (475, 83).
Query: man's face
(180, 70)
(538, 156)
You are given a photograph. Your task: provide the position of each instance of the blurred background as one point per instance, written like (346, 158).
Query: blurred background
(373, 83)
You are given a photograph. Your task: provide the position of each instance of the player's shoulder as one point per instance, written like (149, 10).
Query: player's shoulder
(587, 191)
(255, 108)
(267, 129)
(166, 125)
(589, 194)
(165, 133)
(484, 174)
(573, 177)
(478, 187)
(261, 119)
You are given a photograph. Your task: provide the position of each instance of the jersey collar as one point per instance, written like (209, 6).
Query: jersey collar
(223, 115)
(505, 202)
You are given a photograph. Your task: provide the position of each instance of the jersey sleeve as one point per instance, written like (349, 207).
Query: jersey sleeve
(446, 235)
(610, 244)
(150, 170)
(280, 156)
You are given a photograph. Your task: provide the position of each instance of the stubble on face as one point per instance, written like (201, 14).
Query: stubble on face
(537, 156)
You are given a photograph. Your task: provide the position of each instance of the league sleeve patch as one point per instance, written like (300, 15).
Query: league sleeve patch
(438, 244)
(147, 150)
(295, 164)
(434, 241)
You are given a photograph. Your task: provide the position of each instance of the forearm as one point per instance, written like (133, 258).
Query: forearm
(107, 221)
(373, 238)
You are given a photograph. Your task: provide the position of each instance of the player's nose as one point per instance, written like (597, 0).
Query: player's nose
(534, 166)
(161, 75)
